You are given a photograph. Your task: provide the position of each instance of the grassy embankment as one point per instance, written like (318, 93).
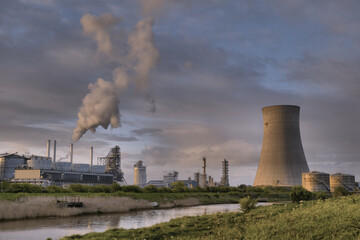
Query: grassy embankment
(334, 218)
(19, 201)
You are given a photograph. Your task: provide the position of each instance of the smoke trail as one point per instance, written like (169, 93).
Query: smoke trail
(98, 28)
(142, 51)
(62, 158)
(100, 107)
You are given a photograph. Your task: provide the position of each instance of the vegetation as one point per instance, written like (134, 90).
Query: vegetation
(247, 204)
(340, 191)
(334, 218)
(298, 193)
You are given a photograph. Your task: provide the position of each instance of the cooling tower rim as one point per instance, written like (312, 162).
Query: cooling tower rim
(280, 106)
(315, 172)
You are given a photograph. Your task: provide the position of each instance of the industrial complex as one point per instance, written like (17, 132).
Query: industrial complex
(282, 163)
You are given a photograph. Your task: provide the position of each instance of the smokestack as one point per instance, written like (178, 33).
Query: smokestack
(204, 166)
(54, 158)
(48, 143)
(91, 157)
(71, 153)
(282, 159)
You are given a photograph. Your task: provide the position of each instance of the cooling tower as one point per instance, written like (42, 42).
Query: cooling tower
(282, 159)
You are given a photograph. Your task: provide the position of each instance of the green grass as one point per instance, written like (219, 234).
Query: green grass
(330, 219)
(204, 198)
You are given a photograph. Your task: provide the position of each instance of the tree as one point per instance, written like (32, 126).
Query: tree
(298, 193)
(247, 204)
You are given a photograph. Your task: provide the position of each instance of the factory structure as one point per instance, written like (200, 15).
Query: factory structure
(282, 160)
(139, 174)
(46, 171)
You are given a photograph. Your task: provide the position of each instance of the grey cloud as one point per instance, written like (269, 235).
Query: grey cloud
(147, 131)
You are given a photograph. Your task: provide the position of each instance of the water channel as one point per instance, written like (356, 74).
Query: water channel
(59, 227)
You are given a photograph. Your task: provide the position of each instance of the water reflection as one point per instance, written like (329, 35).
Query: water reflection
(59, 227)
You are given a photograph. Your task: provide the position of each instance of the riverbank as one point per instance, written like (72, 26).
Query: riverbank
(34, 205)
(334, 218)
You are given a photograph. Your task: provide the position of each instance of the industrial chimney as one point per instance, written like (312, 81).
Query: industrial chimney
(71, 153)
(282, 159)
(48, 143)
(91, 157)
(54, 158)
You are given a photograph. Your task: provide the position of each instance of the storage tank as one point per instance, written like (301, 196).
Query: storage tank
(38, 162)
(139, 174)
(8, 164)
(81, 167)
(63, 166)
(316, 181)
(282, 159)
(345, 180)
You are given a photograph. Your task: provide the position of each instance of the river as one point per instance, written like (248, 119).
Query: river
(59, 227)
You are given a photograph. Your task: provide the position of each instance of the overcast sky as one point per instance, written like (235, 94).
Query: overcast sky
(219, 62)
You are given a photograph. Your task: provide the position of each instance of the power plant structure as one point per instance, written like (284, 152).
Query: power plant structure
(47, 171)
(225, 173)
(344, 180)
(203, 177)
(113, 164)
(139, 174)
(316, 181)
(282, 159)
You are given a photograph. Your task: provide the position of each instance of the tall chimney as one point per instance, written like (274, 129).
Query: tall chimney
(71, 153)
(48, 143)
(282, 159)
(204, 166)
(91, 157)
(54, 158)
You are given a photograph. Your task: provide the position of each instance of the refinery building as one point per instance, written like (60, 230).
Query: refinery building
(46, 171)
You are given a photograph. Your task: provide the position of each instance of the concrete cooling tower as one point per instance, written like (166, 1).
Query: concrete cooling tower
(282, 159)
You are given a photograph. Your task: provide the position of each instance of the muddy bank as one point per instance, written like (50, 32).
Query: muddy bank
(46, 206)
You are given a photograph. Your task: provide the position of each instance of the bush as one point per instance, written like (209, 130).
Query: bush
(298, 193)
(150, 189)
(321, 195)
(55, 189)
(78, 188)
(132, 188)
(340, 191)
(247, 204)
(178, 186)
(115, 187)
(25, 188)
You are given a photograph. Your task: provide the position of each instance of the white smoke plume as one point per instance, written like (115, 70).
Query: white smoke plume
(98, 28)
(142, 51)
(100, 107)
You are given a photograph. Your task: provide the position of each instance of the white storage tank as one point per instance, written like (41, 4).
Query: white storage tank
(81, 167)
(8, 164)
(345, 180)
(38, 162)
(316, 181)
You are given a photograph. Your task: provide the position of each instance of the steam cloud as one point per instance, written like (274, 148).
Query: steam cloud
(100, 107)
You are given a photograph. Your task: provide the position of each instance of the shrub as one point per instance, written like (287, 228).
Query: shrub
(55, 189)
(178, 186)
(247, 204)
(321, 195)
(132, 188)
(25, 188)
(150, 189)
(340, 191)
(298, 193)
(115, 187)
(78, 188)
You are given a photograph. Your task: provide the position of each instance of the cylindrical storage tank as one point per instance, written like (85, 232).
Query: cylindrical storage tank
(63, 166)
(139, 174)
(36, 162)
(282, 159)
(8, 164)
(345, 180)
(81, 167)
(316, 181)
(98, 169)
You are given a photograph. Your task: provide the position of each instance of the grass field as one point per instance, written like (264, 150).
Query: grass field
(334, 218)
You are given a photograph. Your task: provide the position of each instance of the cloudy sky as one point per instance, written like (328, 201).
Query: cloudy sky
(197, 74)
